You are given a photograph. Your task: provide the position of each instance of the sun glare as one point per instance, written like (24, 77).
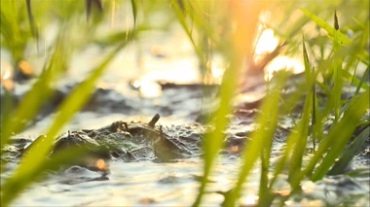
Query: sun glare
(266, 43)
(283, 63)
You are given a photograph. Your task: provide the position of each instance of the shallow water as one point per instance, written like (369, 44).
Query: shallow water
(174, 183)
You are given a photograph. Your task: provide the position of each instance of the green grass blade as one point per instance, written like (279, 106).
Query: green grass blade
(338, 77)
(357, 81)
(360, 84)
(331, 30)
(39, 93)
(349, 153)
(134, 11)
(267, 124)
(264, 195)
(296, 142)
(340, 134)
(14, 37)
(213, 142)
(331, 147)
(336, 35)
(31, 20)
(301, 134)
(13, 186)
(182, 20)
(34, 159)
(73, 103)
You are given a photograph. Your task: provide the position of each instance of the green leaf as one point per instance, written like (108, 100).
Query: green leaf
(340, 134)
(342, 39)
(300, 135)
(350, 152)
(38, 95)
(33, 161)
(259, 138)
(13, 186)
(134, 10)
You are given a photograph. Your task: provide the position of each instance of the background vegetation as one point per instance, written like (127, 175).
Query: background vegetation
(333, 44)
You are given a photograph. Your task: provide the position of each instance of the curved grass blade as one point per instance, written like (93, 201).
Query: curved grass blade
(214, 141)
(39, 93)
(365, 75)
(134, 10)
(73, 103)
(241, 44)
(34, 159)
(353, 149)
(338, 77)
(267, 123)
(14, 186)
(340, 38)
(340, 134)
(337, 138)
(181, 17)
(301, 134)
(14, 37)
(33, 26)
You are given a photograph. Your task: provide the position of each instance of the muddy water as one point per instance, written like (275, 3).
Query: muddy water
(130, 91)
(175, 183)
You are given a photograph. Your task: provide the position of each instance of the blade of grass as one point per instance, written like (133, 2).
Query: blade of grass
(12, 187)
(39, 93)
(296, 142)
(338, 77)
(33, 160)
(14, 36)
(259, 139)
(301, 134)
(241, 44)
(214, 141)
(31, 20)
(341, 38)
(349, 153)
(336, 139)
(341, 133)
(73, 103)
(336, 35)
(181, 18)
(311, 80)
(134, 11)
(264, 195)
(359, 85)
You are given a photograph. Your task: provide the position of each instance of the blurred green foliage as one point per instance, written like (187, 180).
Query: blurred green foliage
(332, 58)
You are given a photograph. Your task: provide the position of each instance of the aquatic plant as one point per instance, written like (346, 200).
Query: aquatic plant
(22, 23)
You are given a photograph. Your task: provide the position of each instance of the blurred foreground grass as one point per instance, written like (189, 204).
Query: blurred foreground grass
(334, 49)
